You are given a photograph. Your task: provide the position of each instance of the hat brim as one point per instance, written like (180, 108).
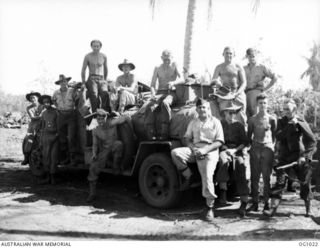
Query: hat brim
(132, 66)
(232, 108)
(28, 96)
(59, 81)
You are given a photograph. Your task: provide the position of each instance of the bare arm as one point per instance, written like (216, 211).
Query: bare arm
(274, 79)
(83, 70)
(250, 130)
(154, 81)
(105, 68)
(242, 79)
(117, 121)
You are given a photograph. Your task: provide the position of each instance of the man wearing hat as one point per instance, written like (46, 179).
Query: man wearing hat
(126, 86)
(233, 78)
(105, 145)
(166, 75)
(96, 84)
(203, 138)
(256, 74)
(64, 99)
(231, 152)
(49, 138)
(261, 132)
(33, 110)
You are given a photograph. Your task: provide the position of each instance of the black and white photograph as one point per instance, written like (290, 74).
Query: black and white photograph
(159, 122)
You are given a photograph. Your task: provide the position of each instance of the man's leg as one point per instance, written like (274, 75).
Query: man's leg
(241, 184)
(117, 152)
(104, 95)
(63, 138)
(92, 87)
(304, 173)
(267, 157)
(72, 137)
(206, 168)
(125, 99)
(165, 114)
(46, 156)
(94, 171)
(252, 102)
(53, 158)
(180, 157)
(255, 166)
(222, 176)
(149, 120)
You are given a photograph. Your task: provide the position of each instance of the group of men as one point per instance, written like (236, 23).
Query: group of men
(207, 140)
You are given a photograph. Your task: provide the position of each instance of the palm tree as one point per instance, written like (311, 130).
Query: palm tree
(313, 73)
(189, 32)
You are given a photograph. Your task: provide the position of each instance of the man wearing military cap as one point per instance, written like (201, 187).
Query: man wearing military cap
(203, 138)
(105, 144)
(297, 144)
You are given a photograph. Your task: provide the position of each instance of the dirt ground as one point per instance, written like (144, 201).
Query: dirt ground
(43, 212)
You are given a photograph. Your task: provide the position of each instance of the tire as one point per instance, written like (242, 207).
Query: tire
(35, 162)
(158, 181)
(126, 136)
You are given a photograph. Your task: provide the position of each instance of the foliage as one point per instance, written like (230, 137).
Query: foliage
(12, 103)
(313, 71)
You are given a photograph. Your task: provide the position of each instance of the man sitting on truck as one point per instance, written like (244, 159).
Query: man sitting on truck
(203, 138)
(105, 144)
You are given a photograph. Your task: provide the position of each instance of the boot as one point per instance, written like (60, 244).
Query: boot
(45, 180)
(93, 191)
(290, 187)
(242, 210)
(151, 133)
(25, 160)
(266, 206)
(164, 133)
(308, 208)
(223, 197)
(52, 179)
(116, 165)
(254, 207)
(73, 161)
(209, 217)
(275, 202)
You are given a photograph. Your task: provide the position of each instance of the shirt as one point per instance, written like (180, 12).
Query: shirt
(262, 128)
(66, 100)
(296, 140)
(208, 131)
(234, 135)
(256, 74)
(49, 121)
(164, 75)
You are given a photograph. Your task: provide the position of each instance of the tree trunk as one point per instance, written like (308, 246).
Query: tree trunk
(189, 36)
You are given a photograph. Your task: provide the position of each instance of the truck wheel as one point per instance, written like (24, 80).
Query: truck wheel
(35, 162)
(158, 181)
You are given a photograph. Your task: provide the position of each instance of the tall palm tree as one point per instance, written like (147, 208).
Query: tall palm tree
(189, 32)
(313, 71)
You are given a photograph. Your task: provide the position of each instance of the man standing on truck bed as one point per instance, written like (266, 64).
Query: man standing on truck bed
(203, 138)
(233, 79)
(105, 145)
(96, 84)
(166, 74)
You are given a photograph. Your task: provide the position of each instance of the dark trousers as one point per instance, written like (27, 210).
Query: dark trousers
(158, 113)
(67, 130)
(49, 143)
(98, 93)
(303, 173)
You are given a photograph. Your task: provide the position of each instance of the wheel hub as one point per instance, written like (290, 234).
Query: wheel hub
(160, 181)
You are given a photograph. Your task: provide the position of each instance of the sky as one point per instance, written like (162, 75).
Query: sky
(40, 39)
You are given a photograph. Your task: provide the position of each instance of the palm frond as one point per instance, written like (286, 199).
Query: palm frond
(255, 6)
(152, 4)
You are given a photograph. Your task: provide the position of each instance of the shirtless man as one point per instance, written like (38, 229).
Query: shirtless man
(232, 76)
(166, 74)
(98, 71)
(256, 74)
